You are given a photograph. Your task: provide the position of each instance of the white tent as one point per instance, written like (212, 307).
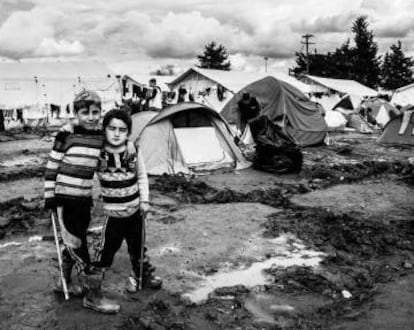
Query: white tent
(341, 86)
(403, 96)
(187, 138)
(34, 86)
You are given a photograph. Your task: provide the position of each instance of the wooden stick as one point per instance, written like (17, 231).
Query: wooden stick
(62, 276)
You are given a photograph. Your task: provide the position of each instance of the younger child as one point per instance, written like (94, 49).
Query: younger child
(68, 189)
(125, 193)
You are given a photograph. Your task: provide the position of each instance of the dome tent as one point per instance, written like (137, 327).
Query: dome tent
(285, 105)
(186, 137)
(399, 130)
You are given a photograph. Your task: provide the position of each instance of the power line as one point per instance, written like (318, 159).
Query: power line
(307, 43)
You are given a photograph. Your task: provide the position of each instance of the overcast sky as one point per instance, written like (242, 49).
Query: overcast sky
(142, 35)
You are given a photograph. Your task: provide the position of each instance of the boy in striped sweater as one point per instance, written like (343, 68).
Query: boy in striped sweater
(125, 193)
(68, 189)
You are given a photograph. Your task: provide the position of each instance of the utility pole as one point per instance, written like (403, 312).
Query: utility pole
(307, 43)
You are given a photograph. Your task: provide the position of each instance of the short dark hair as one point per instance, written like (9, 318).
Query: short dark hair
(245, 96)
(85, 99)
(120, 114)
(153, 80)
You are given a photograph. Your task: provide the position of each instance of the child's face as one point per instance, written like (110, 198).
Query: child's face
(116, 132)
(89, 118)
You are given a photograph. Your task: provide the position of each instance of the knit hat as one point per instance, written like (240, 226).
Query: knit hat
(86, 98)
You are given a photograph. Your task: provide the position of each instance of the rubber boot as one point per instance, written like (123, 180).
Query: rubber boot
(93, 295)
(73, 289)
(149, 281)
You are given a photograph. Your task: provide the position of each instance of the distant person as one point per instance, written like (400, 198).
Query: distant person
(249, 109)
(154, 100)
(125, 194)
(182, 94)
(69, 176)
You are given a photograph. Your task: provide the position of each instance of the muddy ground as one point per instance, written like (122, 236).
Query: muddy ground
(331, 247)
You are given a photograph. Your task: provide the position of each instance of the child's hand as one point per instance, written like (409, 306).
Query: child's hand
(144, 208)
(67, 128)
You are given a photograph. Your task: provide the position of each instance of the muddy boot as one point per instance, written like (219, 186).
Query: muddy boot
(149, 281)
(93, 295)
(73, 289)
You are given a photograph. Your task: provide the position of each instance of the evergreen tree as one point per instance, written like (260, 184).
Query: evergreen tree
(342, 62)
(396, 68)
(366, 68)
(214, 56)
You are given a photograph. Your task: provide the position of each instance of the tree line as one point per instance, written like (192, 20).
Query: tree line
(360, 62)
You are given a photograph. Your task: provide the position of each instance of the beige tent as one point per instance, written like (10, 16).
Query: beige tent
(188, 138)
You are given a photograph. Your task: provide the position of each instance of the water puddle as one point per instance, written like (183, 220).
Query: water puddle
(266, 307)
(294, 254)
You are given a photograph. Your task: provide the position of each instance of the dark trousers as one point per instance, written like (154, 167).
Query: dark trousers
(114, 232)
(76, 219)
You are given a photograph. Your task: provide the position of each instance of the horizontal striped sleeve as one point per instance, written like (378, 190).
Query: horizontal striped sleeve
(52, 166)
(142, 178)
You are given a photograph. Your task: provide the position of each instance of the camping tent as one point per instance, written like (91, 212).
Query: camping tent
(399, 130)
(285, 105)
(187, 138)
(382, 111)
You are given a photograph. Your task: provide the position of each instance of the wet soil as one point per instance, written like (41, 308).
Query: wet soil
(353, 202)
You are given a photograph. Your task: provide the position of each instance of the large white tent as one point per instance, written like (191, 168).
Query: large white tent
(35, 86)
(403, 96)
(328, 91)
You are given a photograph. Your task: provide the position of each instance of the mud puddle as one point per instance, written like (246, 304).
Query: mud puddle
(289, 252)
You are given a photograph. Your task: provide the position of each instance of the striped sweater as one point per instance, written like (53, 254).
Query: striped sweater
(123, 179)
(71, 166)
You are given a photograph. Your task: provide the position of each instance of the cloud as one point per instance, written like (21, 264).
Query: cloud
(51, 47)
(160, 31)
(32, 33)
(389, 29)
(326, 24)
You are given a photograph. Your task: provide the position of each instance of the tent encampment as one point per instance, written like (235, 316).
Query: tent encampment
(399, 130)
(284, 105)
(186, 137)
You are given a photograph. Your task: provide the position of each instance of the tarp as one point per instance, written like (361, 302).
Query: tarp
(187, 138)
(399, 130)
(281, 102)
